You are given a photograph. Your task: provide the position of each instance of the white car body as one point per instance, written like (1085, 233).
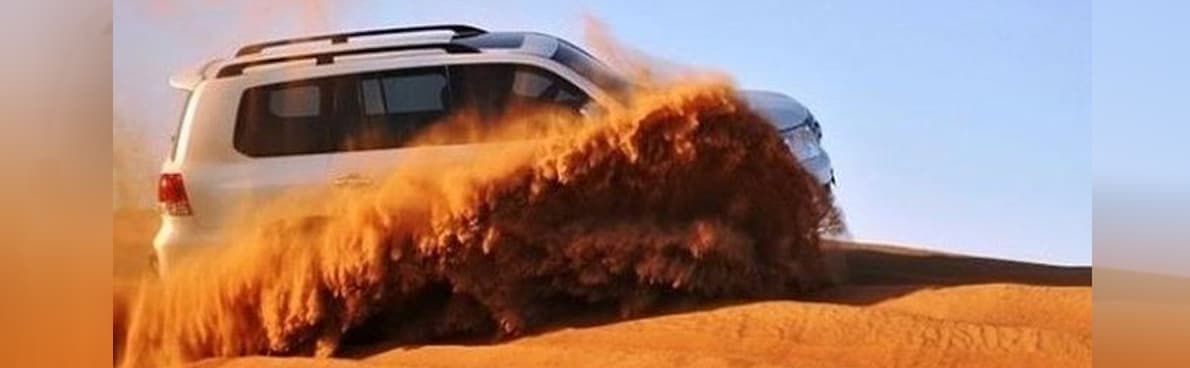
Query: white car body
(207, 178)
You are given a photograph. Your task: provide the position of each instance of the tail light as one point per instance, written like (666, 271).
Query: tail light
(171, 195)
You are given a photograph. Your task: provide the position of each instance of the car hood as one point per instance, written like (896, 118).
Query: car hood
(780, 109)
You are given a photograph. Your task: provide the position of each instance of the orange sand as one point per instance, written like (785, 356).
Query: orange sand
(902, 308)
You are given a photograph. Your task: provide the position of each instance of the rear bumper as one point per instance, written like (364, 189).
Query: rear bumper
(176, 239)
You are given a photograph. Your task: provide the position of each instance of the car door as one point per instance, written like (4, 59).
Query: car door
(282, 139)
(388, 111)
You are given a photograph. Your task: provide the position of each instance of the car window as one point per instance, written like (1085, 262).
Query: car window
(492, 89)
(284, 119)
(539, 86)
(388, 109)
(413, 93)
(393, 107)
(295, 102)
(591, 68)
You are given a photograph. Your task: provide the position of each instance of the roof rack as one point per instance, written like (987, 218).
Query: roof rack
(328, 57)
(460, 30)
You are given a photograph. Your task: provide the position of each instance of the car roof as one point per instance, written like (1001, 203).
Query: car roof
(323, 49)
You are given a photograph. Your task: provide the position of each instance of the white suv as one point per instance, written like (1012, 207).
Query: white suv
(305, 115)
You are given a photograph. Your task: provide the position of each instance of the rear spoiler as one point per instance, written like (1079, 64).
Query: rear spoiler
(189, 78)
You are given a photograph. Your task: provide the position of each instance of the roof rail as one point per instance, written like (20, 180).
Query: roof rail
(328, 57)
(460, 30)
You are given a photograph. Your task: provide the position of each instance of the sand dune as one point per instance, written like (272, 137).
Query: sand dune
(782, 333)
(905, 308)
(901, 308)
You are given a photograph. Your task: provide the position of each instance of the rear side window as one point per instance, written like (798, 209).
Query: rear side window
(296, 102)
(383, 110)
(286, 119)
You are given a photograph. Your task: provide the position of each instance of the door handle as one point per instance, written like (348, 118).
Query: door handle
(351, 180)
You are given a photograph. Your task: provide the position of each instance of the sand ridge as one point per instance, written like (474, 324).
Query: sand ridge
(903, 307)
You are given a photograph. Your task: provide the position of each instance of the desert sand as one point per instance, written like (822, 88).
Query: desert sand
(900, 307)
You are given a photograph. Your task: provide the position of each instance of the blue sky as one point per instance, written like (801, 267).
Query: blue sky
(959, 126)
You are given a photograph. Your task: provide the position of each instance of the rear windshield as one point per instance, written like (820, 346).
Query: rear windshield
(382, 110)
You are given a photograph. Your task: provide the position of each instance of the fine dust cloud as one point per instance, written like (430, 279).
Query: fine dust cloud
(682, 191)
